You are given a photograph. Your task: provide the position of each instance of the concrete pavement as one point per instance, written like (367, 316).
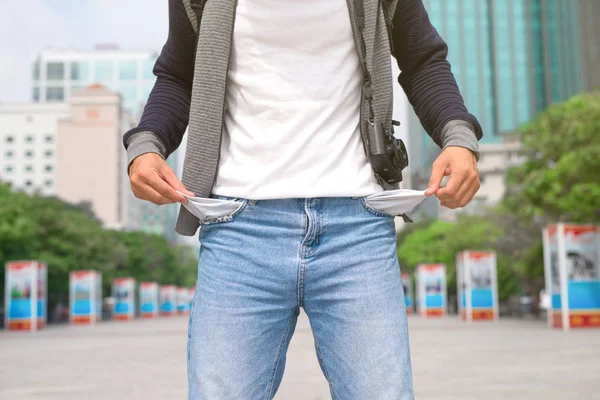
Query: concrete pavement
(145, 360)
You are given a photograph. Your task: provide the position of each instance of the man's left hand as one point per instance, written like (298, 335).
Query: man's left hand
(460, 163)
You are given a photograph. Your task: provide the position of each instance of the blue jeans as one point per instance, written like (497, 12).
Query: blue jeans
(336, 257)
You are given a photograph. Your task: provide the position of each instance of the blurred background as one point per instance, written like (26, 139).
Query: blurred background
(75, 75)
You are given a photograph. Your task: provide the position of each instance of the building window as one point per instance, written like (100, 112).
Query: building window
(28, 183)
(49, 153)
(8, 168)
(29, 168)
(55, 94)
(148, 67)
(104, 73)
(36, 94)
(55, 71)
(36, 71)
(49, 139)
(29, 139)
(129, 93)
(48, 183)
(10, 139)
(48, 168)
(29, 154)
(9, 154)
(80, 71)
(128, 70)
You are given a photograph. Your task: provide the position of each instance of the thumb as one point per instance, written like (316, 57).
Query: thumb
(173, 181)
(437, 174)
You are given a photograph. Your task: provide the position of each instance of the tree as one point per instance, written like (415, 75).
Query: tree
(69, 237)
(441, 241)
(560, 178)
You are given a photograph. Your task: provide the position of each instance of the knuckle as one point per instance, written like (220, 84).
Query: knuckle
(142, 174)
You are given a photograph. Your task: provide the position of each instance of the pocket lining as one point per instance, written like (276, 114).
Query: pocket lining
(228, 217)
(373, 211)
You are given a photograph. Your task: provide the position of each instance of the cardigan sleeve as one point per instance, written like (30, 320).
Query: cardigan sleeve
(427, 79)
(166, 114)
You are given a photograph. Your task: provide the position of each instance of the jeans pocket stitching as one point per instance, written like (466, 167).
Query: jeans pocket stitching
(373, 211)
(228, 217)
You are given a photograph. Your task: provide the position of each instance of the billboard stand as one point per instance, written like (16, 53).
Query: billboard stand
(26, 286)
(168, 300)
(85, 297)
(477, 285)
(431, 290)
(123, 291)
(572, 275)
(183, 301)
(407, 286)
(149, 299)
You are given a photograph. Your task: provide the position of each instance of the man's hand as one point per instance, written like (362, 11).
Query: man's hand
(152, 179)
(460, 163)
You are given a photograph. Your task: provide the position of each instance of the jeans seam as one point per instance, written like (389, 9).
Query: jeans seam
(373, 211)
(325, 370)
(301, 270)
(278, 358)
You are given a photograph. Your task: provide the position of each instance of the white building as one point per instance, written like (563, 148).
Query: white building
(59, 73)
(28, 145)
(494, 162)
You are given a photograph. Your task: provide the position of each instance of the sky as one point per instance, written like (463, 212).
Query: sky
(27, 27)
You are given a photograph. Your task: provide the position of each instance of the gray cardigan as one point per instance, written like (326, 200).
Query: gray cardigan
(192, 90)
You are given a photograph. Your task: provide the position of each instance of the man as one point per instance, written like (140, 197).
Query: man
(279, 107)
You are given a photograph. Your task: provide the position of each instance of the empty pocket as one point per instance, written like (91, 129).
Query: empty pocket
(399, 202)
(209, 210)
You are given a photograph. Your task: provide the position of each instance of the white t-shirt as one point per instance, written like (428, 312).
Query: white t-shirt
(291, 126)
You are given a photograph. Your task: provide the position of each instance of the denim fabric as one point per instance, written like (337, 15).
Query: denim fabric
(336, 258)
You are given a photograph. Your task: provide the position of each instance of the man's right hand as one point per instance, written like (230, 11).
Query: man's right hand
(152, 179)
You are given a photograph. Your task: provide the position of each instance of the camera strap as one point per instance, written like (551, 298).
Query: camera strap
(359, 9)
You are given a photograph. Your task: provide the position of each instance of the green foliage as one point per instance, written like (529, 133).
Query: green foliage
(69, 238)
(560, 177)
(559, 181)
(440, 241)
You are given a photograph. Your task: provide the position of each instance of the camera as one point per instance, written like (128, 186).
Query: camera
(387, 154)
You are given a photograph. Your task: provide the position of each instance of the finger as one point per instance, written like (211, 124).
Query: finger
(152, 179)
(146, 192)
(437, 174)
(169, 176)
(470, 190)
(463, 196)
(449, 192)
(162, 187)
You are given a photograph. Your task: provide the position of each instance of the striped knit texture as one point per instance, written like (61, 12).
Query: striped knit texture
(207, 106)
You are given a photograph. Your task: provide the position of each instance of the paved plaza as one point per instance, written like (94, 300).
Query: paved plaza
(145, 360)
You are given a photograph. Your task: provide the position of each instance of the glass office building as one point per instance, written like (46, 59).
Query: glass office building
(511, 58)
(58, 73)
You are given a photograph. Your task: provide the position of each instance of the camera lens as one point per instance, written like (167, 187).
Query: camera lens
(400, 155)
